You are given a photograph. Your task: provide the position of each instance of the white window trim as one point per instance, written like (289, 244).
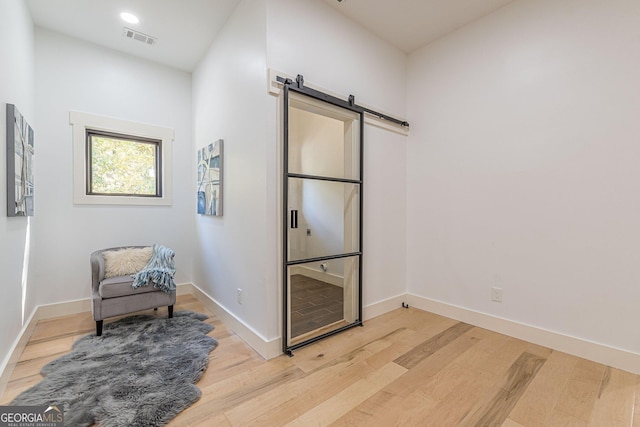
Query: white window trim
(83, 121)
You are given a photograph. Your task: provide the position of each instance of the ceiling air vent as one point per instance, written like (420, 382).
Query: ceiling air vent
(137, 35)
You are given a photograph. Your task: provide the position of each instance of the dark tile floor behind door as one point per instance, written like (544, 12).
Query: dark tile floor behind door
(314, 304)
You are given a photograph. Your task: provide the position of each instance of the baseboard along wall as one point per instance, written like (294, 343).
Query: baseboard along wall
(268, 349)
(332, 279)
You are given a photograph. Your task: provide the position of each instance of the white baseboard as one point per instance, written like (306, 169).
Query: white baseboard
(596, 352)
(381, 307)
(332, 279)
(47, 311)
(11, 359)
(184, 289)
(268, 349)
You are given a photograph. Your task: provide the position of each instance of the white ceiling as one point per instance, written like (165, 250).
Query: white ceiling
(410, 24)
(186, 28)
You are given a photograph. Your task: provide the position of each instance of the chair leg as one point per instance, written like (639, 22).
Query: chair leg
(170, 311)
(99, 327)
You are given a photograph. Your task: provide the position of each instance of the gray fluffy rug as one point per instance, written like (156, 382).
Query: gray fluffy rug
(140, 372)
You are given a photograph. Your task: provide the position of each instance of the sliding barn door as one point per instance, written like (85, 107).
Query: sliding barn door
(322, 210)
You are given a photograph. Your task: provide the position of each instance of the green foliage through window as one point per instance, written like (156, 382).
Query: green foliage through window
(122, 165)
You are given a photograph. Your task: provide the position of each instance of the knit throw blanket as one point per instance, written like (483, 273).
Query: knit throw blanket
(160, 270)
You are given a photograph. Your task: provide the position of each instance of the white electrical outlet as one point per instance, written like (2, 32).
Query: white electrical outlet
(239, 295)
(496, 294)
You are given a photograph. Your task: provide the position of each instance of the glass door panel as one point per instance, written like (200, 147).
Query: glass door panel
(323, 296)
(323, 139)
(323, 218)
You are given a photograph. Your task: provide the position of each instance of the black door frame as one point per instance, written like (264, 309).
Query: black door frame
(298, 87)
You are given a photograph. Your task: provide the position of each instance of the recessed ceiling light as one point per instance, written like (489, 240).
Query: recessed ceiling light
(129, 17)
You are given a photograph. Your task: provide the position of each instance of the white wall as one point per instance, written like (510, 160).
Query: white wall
(523, 168)
(230, 102)
(331, 52)
(75, 75)
(16, 87)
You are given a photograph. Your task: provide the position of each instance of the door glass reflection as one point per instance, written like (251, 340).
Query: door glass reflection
(323, 141)
(323, 296)
(324, 218)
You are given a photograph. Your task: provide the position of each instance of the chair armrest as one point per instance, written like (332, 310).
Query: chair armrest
(97, 269)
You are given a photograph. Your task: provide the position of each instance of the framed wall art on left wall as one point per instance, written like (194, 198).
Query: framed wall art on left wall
(210, 179)
(19, 164)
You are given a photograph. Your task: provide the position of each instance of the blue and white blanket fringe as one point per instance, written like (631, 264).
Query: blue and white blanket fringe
(160, 270)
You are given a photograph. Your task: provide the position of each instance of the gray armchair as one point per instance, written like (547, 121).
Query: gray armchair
(115, 296)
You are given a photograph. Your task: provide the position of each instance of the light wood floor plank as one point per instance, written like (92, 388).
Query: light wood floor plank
(636, 409)
(538, 401)
(427, 348)
(234, 391)
(421, 375)
(32, 367)
(341, 403)
(217, 420)
(15, 387)
(75, 324)
(580, 393)
(510, 423)
(616, 397)
(410, 410)
(463, 400)
(497, 409)
(46, 348)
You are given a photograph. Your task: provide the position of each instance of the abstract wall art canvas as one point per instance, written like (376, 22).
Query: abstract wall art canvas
(19, 164)
(210, 179)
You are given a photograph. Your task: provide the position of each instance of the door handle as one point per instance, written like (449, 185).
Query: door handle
(294, 218)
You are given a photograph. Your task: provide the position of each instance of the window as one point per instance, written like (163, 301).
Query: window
(120, 162)
(123, 165)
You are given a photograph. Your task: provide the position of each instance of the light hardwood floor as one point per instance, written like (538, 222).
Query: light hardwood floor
(405, 368)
